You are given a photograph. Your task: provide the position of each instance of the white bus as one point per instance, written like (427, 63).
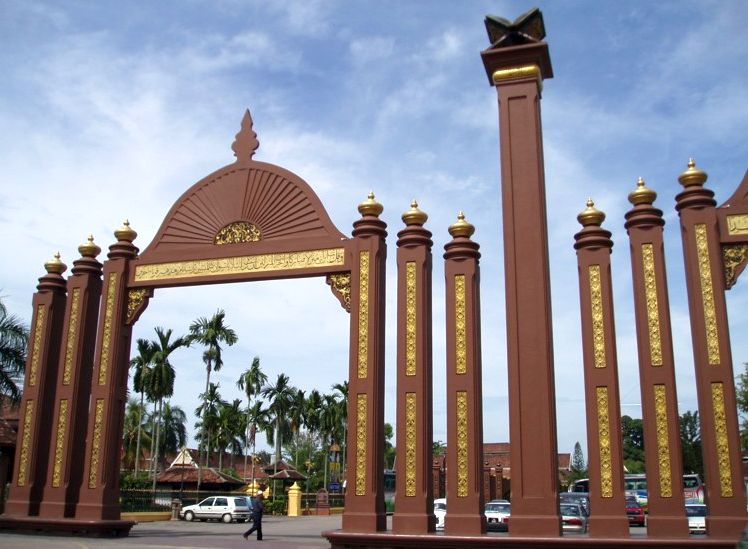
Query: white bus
(636, 485)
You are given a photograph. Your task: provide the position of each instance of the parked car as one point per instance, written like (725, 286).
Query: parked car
(635, 512)
(225, 508)
(497, 515)
(696, 513)
(573, 518)
(582, 498)
(440, 511)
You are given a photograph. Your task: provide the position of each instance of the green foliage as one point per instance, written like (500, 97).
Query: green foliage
(276, 506)
(632, 431)
(741, 394)
(131, 481)
(389, 449)
(578, 465)
(14, 336)
(690, 437)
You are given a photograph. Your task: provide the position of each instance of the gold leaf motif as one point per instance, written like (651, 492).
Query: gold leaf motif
(722, 441)
(361, 444)
(72, 338)
(96, 444)
(410, 318)
(460, 326)
(37, 344)
(707, 295)
(28, 421)
(340, 283)
(135, 300)
(237, 233)
(62, 417)
(733, 256)
(462, 444)
(363, 315)
(603, 437)
(598, 325)
(107, 338)
(410, 444)
(653, 315)
(240, 265)
(737, 224)
(663, 442)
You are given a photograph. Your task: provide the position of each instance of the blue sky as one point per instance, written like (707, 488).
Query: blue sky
(110, 111)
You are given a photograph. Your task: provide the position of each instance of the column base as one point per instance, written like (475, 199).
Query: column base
(56, 510)
(667, 527)
(94, 528)
(726, 527)
(464, 525)
(616, 526)
(537, 526)
(413, 523)
(97, 511)
(364, 522)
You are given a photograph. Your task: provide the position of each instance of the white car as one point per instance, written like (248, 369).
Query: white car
(225, 508)
(497, 515)
(440, 511)
(696, 513)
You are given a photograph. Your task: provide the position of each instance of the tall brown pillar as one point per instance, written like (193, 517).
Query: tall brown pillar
(34, 428)
(725, 491)
(414, 511)
(662, 446)
(464, 384)
(69, 420)
(607, 500)
(516, 64)
(99, 494)
(364, 501)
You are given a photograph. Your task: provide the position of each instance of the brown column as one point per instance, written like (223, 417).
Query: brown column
(34, 427)
(414, 509)
(364, 501)
(517, 73)
(69, 418)
(662, 446)
(607, 500)
(725, 491)
(99, 494)
(464, 384)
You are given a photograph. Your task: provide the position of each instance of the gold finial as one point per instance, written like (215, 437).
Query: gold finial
(89, 249)
(591, 215)
(55, 265)
(414, 216)
(461, 227)
(370, 206)
(642, 194)
(125, 232)
(692, 176)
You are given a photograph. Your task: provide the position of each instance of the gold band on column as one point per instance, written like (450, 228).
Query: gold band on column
(598, 323)
(603, 434)
(653, 314)
(361, 412)
(363, 315)
(663, 442)
(410, 444)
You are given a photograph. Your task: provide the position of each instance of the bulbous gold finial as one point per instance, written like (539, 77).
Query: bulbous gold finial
(125, 233)
(591, 215)
(89, 248)
(370, 206)
(692, 176)
(461, 227)
(55, 265)
(642, 194)
(414, 216)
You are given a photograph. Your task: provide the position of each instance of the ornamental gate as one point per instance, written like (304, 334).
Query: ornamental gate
(255, 221)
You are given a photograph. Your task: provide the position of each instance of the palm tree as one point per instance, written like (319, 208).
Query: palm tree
(142, 365)
(251, 382)
(230, 423)
(208, 411)
(280, 396)
(257, 420)
(313, 418)
(342, 388)
(297, 415)
(14, 336)
(161, 379)
(330, 425)
(174, 422)
(132, 433)
(211, 332)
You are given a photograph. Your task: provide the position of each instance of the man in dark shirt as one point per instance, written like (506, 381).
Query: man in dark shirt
(257, 509)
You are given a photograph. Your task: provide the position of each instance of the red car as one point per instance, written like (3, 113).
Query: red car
(635, 512)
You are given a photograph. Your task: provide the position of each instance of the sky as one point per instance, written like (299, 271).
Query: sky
(110, 111)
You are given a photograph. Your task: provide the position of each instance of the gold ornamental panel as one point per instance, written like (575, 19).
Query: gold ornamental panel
(653, 314)
(363, 315)
(663, 442)
(245, 264)
(28, 422)
(111, 291)
(361, 411)
(462, 444)
(237, 233)
(603, 438)
(598, 321)
(723, 442)
(410, 444)
(135, 300)
(707, 295)
(36, 348)
(410, 318)
(96, 444)
(62, 417)
(460, 326)
(72, 337)
(737, 224)
(733, 256)
(340, 283)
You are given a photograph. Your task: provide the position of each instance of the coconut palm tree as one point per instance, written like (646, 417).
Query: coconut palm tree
(313, 407)
(280, 396)
(297, 416)
(257, 419)
(133, 433)
(330, 425)
(251, 382)
(174, 424)
(142, 366)
(14, 336)
(229, 426)
(208, 411)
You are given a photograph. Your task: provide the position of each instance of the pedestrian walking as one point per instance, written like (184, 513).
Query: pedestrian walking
(257, 509)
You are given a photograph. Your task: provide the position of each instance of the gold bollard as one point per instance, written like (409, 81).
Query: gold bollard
(294, 500)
